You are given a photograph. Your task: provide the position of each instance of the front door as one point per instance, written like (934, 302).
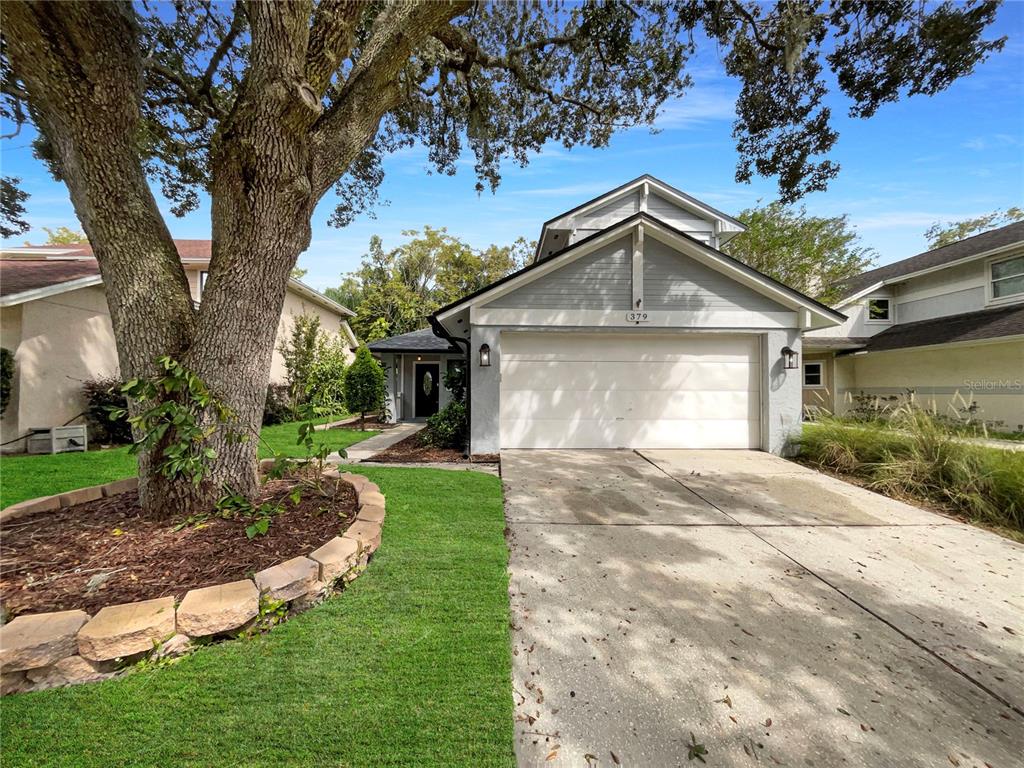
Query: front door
(428, 389)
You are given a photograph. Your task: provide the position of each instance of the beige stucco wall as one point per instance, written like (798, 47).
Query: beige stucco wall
(990, 374)
(61, 341)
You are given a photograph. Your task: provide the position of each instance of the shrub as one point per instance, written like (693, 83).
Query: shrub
(104, 396)
(325, 383)
(447, 427)
(918, 456)
(364, 385)
(6, 377)
(299, 353)
(278, 407)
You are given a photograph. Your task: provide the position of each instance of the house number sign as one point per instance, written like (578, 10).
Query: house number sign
(637, 317)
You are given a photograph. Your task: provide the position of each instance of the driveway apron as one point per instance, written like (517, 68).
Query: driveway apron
(670, 602)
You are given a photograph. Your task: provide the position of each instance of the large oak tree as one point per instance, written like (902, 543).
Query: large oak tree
(266, 107)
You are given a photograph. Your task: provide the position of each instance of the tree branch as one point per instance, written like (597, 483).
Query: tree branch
(237, 23)
(330, 40)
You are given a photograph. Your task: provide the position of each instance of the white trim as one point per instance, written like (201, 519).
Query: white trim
(318, 298)
(50, 290)
(638, 268)
(692, 248)
(858, 295)
(415, 384)
(821, 374)
(614, 318)
(990, 297)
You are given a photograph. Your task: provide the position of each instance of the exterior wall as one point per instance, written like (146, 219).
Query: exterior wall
(64, 341)
(820, 398)
(949, 291)
(61, 341)
(945, 378)
(601, 280)
(676, 217)
(781, 411)
(485, 384)
(857, 324)
(401, 382)
(673, 281)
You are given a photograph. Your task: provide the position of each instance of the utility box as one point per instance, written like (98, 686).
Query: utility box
(58, 439)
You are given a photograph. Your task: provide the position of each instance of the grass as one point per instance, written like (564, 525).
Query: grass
(26, 477)
(410, 665)
(915, 456)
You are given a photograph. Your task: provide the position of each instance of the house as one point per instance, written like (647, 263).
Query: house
(54, 318)
(947, 324)
(629, 329)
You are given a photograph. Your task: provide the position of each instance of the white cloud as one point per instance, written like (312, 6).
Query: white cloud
(696, 107)
(994, 141)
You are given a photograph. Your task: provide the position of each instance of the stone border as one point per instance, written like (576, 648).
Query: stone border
(50, 650)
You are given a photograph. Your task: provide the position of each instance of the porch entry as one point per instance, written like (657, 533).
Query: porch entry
(427, 383)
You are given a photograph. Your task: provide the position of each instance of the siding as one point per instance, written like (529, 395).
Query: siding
(673, 281)
(954, 303)
(600, 280)
(676, 217)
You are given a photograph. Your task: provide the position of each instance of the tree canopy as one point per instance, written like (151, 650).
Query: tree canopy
(393, 291)
(945, 233)
(812, 254)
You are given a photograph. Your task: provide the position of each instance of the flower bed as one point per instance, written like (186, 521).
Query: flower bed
(45, 650)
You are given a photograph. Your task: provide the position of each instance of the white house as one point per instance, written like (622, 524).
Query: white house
(947, 325)
(630, 329)
(54, 318)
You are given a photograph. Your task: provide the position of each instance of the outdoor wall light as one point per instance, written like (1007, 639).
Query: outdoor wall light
(485, 356)
(791, 358)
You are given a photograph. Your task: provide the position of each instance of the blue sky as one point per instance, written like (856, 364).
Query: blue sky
(948, 157)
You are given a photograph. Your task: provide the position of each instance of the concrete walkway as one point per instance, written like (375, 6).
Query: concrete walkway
(374, 445)
(781, 616)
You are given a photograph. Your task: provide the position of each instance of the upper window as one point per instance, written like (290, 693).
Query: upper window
(1008, 277)
(814, 375)
(879, 310)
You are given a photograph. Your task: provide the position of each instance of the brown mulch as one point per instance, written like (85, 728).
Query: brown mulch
(48, 559)
(371, 422)
(410, 450)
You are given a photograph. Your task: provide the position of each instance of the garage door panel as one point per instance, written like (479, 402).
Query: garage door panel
(617, 376)
(615, 390)
(610, 433)
(573, 405)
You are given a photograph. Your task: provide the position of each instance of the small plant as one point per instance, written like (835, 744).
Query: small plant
(6, 377)
(364, 385)
(325, 384)
(448, 427)
(107, 411)
(299, 353)
(178, 413)
(278, 406)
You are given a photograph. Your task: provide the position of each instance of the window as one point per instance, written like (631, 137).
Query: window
(202, 282)
(814, 375)
(1008, 277)
(879, 311)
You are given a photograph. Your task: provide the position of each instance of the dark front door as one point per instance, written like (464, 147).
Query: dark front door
(428, 388)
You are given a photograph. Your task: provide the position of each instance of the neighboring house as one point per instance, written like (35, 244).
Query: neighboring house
(630, 329)
(947, 324)
(56, 322)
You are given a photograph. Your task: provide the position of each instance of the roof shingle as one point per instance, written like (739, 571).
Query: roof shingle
(970, 326)
(417, 341)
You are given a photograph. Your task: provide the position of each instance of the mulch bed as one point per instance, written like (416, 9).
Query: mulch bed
(371, 422)
(48, 559)
(411, 451)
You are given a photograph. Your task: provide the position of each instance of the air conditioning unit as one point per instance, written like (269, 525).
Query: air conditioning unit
(58, 439)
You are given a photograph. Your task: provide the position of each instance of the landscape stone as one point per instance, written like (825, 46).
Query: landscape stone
(72, 670)
(13, 682)
(30, 507)
(317, 593)
(368, 486)
(221, 608)
(366, 533)
(370, 498)
(176, 646)
(120, 486)
(119, 631)
(336, 557)
(289, 580)
(372, 513)
(81, 496)
(40, 639)
(356, 481)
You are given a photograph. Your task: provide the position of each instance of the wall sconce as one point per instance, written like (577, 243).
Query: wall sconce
(790, 358)
(485, 356)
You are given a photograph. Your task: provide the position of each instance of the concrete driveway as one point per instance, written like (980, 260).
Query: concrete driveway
(778, 615)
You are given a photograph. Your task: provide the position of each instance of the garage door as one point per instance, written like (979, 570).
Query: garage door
(615, 390)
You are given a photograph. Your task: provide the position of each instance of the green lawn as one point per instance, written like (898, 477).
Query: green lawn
(26, 477)
(410, 666)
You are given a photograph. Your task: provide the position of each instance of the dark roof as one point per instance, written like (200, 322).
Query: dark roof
(817, 343)
(970, 326)
(962, 249)
(187, 249)
(18, 275)
(418, 341)
(636, 217)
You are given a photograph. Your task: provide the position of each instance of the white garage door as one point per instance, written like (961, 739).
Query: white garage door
(615, 390)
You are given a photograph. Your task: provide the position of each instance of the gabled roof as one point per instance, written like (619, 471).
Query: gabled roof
(667, 190)
(768, 285)
(18, 276)
(188, 250)
(968, 248)
(985, 324)
(416, 341)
